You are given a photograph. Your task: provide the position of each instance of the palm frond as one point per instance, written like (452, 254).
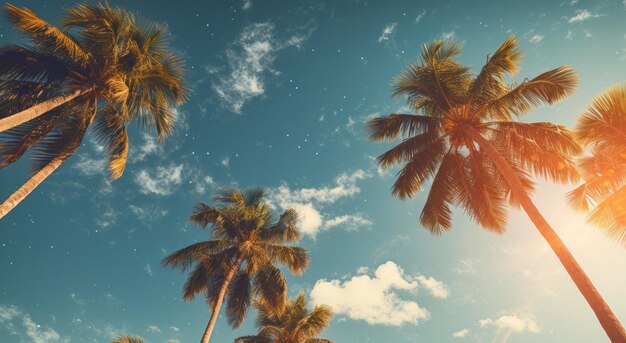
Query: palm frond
(127, 338)
(436, 215)
(549, 87)
(271, 287)
(186, 257)
(415, 172)
(239, 299)
(389, 127)
(203, 214)
(295, 258)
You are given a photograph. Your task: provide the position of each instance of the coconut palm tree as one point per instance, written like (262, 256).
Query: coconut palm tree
(117, 71)
(468, 139)
(126, 338)
(602, 129)
(296, 324)
(239, 261)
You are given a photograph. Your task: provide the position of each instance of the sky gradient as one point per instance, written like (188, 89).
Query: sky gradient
(281, 91)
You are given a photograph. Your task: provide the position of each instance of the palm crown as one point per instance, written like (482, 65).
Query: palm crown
(296, 324)
(247, 242)
(438, 144)
(123, 72)
(602, 128)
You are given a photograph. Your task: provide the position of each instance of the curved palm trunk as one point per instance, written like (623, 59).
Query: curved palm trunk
(220, 299)
(605, 315)
(29, 186)
(39, 109)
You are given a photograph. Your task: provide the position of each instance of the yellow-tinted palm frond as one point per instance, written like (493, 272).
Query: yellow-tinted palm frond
(436, 215)
(488, 84)
(46, 36)
(127, 338)
(549, 87)
(416, 171)
(602, 129)
(604, 122)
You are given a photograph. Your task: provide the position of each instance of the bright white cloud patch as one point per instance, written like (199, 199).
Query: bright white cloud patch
(90, 166)
(435, 287)
(420, 16)
(148, 147)
(153, 329)
(461, 333)
(536, 38)
(388, 32)
(310, 201)
(582, 15)
(161, 180)
(511, 323)
(20, 324)
(374, 299)
(250, 60)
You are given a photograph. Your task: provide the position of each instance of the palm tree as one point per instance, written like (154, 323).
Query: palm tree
(296, 324)
(602, 128)
(126, 338)
(467, 138)
(118, 72)
(239, 262)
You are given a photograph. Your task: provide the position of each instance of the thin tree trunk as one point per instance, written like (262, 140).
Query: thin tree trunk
(39, 109)
(29, 186)
(610, 323)
(220, 299)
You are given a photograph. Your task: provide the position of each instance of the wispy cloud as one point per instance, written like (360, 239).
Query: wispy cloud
(511, 323)
(310, 201)
(160, 180)
(250, 61)
(388, 32)
(20, 324)
(582, 15)
(536, 38)
(461, 333)
(374, 299)
(420, 17)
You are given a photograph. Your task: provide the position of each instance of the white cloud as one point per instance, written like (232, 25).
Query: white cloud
(90, 166)
(309, 202)
(148, 147)
(582, 15)
(250, 60)
(349, 221)
(420, 16)
(536, 38)
(247, 4)
(511, 323)
(435, 287)
(202, 183)
(161, 180)
(153, 329)
(448, 35)
(148, 269)
(461, 333)
(373, 299)
(149, 213)
(388, 32)
(226, 162)
(20, 324)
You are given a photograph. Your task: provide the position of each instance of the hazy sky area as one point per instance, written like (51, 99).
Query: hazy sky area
(281, 91)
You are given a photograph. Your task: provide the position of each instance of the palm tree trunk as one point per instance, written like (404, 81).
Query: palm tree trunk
(29, 186)
(220, 299)
(39, 109)
(605, 315)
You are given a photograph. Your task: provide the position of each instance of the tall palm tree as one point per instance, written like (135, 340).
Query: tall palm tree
(602, 129)
(296, 324)
(467, 138)
(239, 261)
(119, 71)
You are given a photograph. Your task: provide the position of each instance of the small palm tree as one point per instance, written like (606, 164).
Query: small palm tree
(296, 324)
(239, 262)
(602, 129)
(468, 140)
(126, 338)
(105, 70)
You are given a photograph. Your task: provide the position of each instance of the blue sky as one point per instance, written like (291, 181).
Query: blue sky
(281, 91)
